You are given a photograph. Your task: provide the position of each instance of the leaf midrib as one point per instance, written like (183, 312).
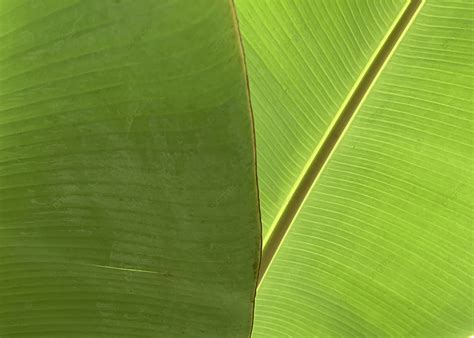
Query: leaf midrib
(335, 133)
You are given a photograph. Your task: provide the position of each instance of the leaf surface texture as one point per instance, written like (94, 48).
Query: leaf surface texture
(128, 202)
(383, 244)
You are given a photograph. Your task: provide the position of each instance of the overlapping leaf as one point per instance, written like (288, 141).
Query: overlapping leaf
(128, 197)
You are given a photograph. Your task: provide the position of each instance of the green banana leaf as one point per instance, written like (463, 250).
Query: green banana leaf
(303, 58)
(382, 244)
(128, 189)
(128, 168)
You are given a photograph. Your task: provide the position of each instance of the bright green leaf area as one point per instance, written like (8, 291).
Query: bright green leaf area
(383, 245)
(303, 59)
(128, 201)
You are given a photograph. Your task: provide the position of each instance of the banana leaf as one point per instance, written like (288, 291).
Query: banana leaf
(132, 134)
(381, 244)
(128, 189)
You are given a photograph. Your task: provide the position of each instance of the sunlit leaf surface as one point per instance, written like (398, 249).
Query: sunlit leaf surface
(303, 59)
(383, 244)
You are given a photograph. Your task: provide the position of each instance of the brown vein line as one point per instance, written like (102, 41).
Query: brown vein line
(243, 59)
(328, 145)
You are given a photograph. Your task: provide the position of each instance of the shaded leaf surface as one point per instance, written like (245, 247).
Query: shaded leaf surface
(128, 199)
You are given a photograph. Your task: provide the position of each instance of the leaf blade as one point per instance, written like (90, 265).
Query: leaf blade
(301, 68)
(129, 202)
(381, 246)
